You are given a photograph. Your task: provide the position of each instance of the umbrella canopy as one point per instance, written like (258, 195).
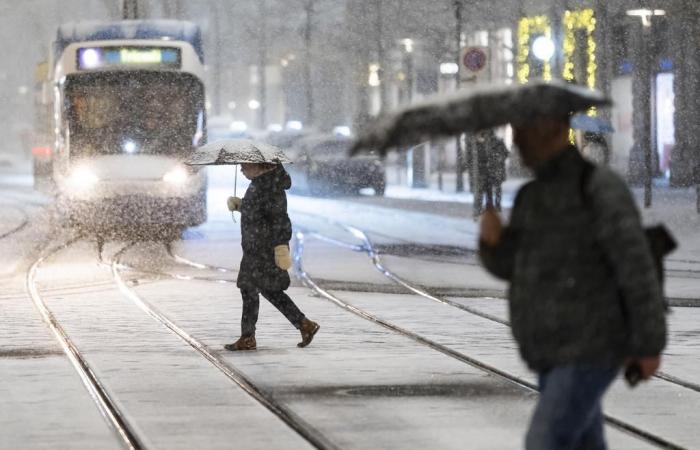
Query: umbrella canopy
(593, 124)
(237, 151)
(476, 109)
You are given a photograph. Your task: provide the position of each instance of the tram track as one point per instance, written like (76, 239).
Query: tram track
(526, 386)
(106, 404)
(521, 383)
(375, 257)
(291, 419)
(23, 222)
(368, 247)
(468, 256)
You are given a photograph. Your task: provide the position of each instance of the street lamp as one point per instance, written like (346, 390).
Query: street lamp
(642, 100)
(416, 161)
(543, 48)
(646, 14)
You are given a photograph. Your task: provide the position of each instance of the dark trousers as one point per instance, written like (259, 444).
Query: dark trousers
(568, 414)
(493, 193)
(251, 306)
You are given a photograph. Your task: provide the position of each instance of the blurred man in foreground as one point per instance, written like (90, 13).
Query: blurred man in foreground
(584, 295)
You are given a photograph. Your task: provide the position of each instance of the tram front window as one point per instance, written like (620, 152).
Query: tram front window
(130, 112)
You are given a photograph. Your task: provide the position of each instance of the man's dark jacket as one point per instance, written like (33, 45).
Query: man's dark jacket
(583, 286)
(264, 225)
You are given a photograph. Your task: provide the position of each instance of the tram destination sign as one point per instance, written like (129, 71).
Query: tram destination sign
(91, 58)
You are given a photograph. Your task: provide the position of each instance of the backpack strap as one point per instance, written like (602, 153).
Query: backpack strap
(660, 240)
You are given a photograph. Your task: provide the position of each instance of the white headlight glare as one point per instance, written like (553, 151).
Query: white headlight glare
(129, 146)
(178, 175)
(83, 177)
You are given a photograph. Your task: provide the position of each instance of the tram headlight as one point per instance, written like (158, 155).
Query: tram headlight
(129, 146)
(82, 177)
(176, 176)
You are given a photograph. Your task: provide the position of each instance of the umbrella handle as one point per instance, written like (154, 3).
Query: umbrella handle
(235, 185)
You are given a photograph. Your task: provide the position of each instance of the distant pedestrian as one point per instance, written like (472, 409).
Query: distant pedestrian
(482, 189)
(497, 156)
(584, 295)
(491, 159)
(265, 234)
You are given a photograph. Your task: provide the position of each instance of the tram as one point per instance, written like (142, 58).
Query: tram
(128, 107)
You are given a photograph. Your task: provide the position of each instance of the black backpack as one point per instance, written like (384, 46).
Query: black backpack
(660, 240)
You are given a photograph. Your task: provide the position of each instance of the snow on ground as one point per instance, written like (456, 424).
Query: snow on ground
(403, 310)
(675, 420)
(361, 385)
(172, 396)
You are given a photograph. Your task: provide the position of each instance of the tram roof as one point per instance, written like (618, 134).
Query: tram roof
(175, 30)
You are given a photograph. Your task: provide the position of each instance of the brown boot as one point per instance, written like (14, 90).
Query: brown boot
(308, 331)
(243, 343)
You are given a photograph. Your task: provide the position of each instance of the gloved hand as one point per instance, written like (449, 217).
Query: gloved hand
(234, 203)
(282, 258)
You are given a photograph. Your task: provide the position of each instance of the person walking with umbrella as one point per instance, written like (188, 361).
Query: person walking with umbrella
(585, 296)
(585, 299)
(265, 234)
(266, 231)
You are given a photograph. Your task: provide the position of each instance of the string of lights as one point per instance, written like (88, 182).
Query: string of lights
(527, 28)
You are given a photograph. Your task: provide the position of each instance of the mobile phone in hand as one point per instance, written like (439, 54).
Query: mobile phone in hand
(633, 374)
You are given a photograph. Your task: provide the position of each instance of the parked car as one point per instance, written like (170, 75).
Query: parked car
(322, 166)
(222, 127)
(285, 139)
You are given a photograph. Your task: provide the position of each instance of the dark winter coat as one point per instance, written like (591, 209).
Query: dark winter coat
(583, 286)
(497, 155)
(264, 225)
(492, 154)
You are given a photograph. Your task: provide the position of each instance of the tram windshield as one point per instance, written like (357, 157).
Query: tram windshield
(133, 112)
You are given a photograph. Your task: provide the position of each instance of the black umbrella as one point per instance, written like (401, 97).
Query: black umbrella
(475, 109)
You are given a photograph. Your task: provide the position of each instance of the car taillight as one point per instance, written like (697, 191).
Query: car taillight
(41, 151)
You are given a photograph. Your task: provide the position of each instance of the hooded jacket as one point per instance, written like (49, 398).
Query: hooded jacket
(264, 225)
(583, 286)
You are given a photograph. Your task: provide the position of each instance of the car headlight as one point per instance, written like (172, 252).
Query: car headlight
(176, 176)
(82, 177)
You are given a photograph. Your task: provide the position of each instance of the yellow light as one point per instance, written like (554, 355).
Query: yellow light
(528, 26)
(580, 20)
(134, 56)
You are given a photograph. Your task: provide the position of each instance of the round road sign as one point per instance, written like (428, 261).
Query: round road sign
(474, 59)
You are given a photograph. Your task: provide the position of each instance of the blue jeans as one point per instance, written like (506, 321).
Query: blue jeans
(569, 414)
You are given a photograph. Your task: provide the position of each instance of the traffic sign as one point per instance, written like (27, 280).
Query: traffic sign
(474, 63)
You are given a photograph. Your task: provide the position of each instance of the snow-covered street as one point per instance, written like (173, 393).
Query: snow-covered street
(350, 224)
(414, 349)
